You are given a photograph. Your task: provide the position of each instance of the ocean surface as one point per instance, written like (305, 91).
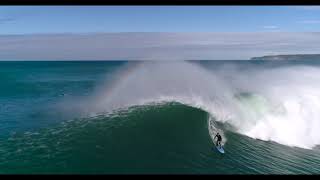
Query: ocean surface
(141, 117)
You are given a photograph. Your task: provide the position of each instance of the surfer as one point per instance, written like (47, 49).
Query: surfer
(219, 139)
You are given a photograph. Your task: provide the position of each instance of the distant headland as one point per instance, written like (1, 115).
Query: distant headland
(289, 57)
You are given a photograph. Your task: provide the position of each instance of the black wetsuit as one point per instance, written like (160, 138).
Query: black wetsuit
(219, 139)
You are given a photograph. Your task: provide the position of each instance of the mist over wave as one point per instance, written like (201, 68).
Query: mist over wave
(280, 104)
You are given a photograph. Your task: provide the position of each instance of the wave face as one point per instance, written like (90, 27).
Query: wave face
(159, 117)
(149, 139)
(141, 139)
(280, 104)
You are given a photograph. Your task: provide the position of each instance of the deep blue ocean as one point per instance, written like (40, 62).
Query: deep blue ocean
(141, 117)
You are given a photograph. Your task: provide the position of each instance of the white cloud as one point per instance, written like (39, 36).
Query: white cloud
(150, 46)
(270, 27)
(310, 7)
(310, 22)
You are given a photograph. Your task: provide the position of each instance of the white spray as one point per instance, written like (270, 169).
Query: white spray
(282, 104)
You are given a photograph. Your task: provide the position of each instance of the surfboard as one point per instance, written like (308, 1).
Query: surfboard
(221, 150)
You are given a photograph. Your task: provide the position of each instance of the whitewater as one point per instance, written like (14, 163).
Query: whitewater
(280, 104)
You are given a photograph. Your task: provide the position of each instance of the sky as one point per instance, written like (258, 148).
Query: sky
(178, 32)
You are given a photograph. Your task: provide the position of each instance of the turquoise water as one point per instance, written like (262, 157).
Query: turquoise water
(46, 129)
